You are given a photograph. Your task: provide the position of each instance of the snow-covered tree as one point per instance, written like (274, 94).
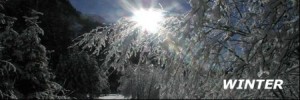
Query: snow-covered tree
(216, 40)
(140, 82)
(23, 62)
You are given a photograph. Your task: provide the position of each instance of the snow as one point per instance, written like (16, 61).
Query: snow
(113, 96)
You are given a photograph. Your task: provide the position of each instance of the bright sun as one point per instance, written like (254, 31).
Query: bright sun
(148, 19)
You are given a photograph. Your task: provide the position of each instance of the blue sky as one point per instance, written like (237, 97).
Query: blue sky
(112, 10)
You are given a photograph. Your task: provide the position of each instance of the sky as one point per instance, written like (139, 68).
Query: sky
(112, 10)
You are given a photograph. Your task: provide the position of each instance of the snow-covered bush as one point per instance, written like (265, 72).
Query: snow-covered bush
(216, 40)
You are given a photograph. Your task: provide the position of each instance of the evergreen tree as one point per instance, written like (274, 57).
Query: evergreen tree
(7, 69)
(24, 70)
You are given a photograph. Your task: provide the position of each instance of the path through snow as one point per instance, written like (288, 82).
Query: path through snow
(113, 96)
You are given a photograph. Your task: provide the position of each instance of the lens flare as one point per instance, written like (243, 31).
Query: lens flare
(148, 19)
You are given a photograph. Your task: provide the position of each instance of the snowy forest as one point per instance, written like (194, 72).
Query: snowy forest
(49, 50)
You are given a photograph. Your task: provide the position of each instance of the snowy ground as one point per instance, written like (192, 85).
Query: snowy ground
(113, 96)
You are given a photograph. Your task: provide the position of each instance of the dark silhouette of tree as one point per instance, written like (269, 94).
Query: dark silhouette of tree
(81, 74)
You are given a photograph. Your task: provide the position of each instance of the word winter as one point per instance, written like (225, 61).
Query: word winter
(245, 83)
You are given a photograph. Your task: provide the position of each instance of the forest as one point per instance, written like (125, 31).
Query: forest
(50, 50)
